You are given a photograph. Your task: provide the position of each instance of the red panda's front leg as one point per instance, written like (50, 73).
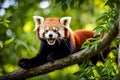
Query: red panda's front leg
(30, 63)
(39, 59)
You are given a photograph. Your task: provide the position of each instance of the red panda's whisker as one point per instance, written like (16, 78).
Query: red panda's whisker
(58, 41)
(66, 43)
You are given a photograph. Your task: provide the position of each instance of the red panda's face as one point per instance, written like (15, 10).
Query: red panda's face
(51, 34)
(52, 29)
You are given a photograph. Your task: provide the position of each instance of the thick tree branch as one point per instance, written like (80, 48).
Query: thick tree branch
(22, 74)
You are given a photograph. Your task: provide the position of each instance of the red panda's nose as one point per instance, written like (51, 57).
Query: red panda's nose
(50, 35)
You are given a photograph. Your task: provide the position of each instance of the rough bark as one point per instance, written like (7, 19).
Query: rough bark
(22, 74)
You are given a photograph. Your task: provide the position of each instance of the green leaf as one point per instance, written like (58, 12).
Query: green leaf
(64, 7)
(98, 31)
(6, 16)
(72, 4)
(1, 45)
(96, 46)
(20, 43)
(110, 25)
(7, 21)
(80, 2)
(104, 16)
(57, 1)
(77, 73)
(9, 41)
(5, 24)
(111, 3)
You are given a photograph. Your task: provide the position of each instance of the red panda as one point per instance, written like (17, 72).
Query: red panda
(57, 40)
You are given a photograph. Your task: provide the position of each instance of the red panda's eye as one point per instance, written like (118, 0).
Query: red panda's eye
(46, 30)
(55, 30)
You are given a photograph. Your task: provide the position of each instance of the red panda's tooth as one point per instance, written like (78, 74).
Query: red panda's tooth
(51, 40)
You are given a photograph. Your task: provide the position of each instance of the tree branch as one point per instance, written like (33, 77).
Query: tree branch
(81, 56)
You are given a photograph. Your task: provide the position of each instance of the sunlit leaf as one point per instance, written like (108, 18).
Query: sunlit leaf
(98, 30)
(104, 16)
(5, 24)
(1, 45)
(7, 21)
(28, 27)
(9, 41)
(96, 46)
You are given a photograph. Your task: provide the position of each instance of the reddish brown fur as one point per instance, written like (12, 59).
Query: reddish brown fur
(72, 43)
(52, 22)
(79, 37)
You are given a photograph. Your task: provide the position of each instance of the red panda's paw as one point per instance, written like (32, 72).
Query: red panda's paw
(25, 63)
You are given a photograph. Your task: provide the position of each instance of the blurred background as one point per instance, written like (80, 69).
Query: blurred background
(17, 39)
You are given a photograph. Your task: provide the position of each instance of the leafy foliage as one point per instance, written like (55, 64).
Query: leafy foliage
(106, 21)
(17, 38)
(92, 42)
(107, 70)
(4, 22)
(71, 3)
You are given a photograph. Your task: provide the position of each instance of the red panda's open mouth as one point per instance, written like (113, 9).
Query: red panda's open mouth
(51, 41)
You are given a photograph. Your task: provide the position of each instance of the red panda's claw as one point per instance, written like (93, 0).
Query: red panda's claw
(24, 63)
(50, 58)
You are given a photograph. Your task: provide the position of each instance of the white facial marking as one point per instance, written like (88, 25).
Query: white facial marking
(54, 28)
(54, 35)
(47, 28)
(41, 33)
(51, 39)
(61, 33)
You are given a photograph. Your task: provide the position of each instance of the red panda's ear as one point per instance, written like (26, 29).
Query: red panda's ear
(38, 20)
(65, 21)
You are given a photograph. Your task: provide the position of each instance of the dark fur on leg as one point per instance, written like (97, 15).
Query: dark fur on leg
(30, 63)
